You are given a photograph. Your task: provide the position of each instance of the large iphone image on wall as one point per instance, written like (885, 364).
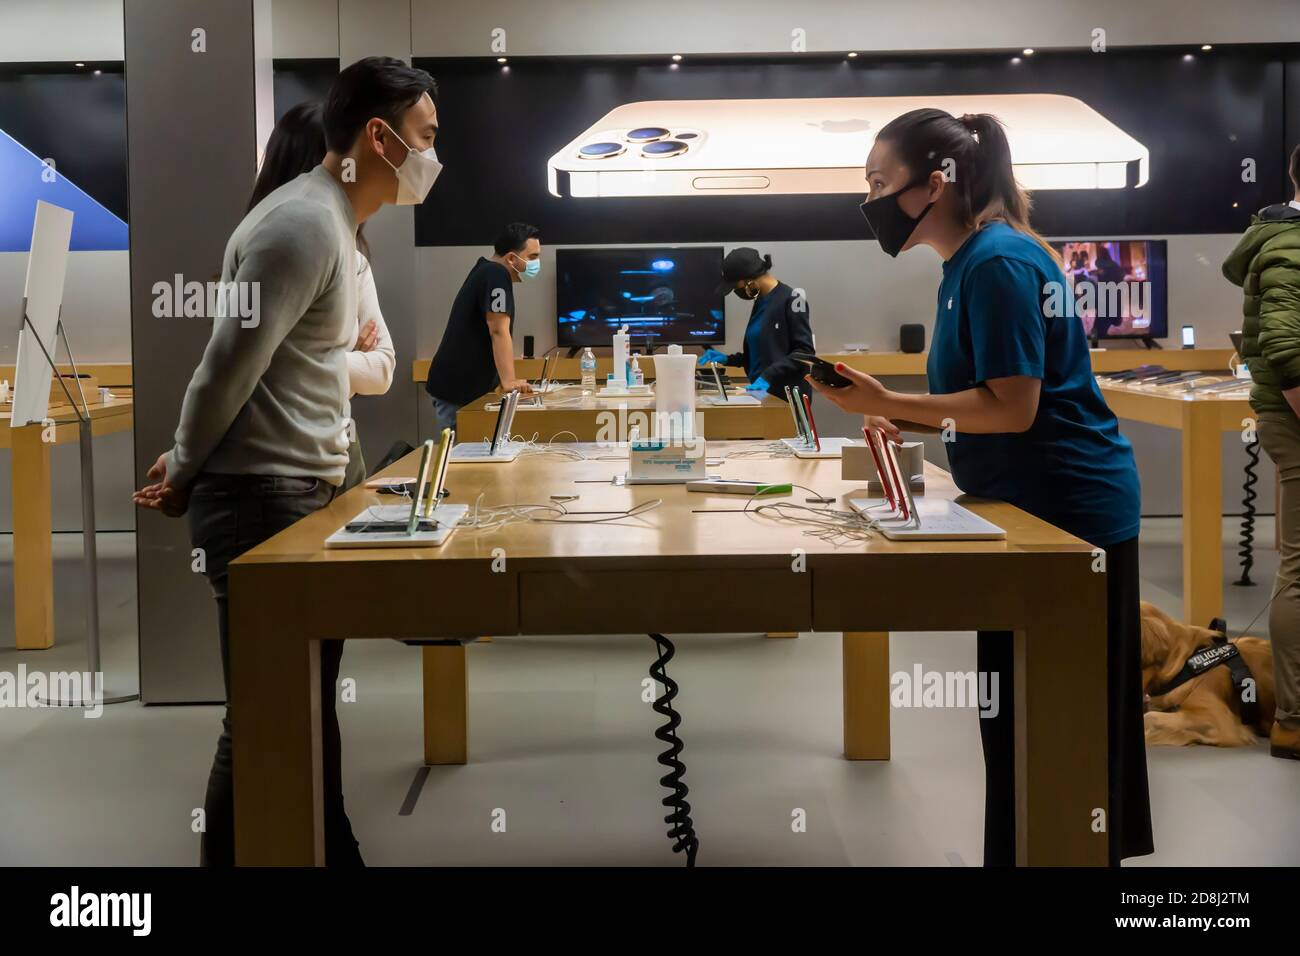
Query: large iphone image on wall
(820, 145)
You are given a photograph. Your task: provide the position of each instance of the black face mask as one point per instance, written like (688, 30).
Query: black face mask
(746, 293)
(888, 223)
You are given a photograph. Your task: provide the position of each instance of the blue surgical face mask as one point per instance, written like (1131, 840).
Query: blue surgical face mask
(531, 268)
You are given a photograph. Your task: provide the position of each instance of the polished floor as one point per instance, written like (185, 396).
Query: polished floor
(562, 752)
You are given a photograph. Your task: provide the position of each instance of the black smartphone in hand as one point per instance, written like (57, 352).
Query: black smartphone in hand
(821, 371)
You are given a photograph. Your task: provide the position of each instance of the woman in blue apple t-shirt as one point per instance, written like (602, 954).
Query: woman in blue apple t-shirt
(1009, 369)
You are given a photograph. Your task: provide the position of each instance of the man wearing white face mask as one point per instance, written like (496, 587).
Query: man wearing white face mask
(264, 431)
(477, 352)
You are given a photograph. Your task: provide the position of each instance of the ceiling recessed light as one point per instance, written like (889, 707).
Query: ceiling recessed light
(79, 65)
(501, 59)
(1015, 59)
(99, 72)
(1029, 51)
(676, 57)
(852, 55)
(673, 66)
(1188, 58)
(1207, 47)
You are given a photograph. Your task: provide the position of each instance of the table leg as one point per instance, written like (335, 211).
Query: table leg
(1202, 514)
(1060, 719)
(446, 704)
(33, 540)
(866, 695)
(275, 711)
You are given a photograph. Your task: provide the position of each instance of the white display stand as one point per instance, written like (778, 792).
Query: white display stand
(830, 447)
(481, 451)
(934, 519)
(449, 516)
(42, 306)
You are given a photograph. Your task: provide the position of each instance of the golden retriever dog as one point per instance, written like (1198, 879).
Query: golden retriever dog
(1205, 709)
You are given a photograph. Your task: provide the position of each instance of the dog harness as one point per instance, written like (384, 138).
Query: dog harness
(1224, 652)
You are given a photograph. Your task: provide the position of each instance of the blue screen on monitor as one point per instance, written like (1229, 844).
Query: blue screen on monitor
(663, 295)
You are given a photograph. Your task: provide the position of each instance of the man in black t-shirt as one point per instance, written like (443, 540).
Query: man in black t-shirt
(477, 351)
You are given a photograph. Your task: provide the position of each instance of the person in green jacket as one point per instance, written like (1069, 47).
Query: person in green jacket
(1266, 264)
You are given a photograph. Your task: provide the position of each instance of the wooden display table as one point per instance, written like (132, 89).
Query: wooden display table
(1202, 421)
(715, 572)
(32, 515)
(895, 363)
(570, 417)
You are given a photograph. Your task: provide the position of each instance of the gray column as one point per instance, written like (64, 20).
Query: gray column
(192, 138)
(383, 28)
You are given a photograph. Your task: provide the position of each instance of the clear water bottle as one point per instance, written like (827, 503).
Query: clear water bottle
(588, 371)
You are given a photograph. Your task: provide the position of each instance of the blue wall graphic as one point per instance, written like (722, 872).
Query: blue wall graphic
(24, 178)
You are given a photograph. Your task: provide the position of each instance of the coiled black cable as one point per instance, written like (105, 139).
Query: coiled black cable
(680, 828)
(1247, 550)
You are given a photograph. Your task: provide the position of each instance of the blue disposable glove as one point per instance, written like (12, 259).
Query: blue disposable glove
(758, 385)
(712, 355)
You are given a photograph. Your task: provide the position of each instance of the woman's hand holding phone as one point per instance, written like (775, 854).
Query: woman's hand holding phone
(864, 395)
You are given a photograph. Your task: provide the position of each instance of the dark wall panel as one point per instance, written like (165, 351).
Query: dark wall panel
(76, 118)
(190, 183)
(1199, 117)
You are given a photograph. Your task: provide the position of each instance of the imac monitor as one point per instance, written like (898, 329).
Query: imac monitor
(1119, 287)
(664, 296)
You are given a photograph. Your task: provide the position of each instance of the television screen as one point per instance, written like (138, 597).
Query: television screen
(663, 295)
(1119, 286)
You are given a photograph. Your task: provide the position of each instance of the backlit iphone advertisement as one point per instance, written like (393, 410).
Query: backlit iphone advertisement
(819, 145)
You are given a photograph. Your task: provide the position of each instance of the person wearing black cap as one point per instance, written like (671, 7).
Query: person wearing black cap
(778, 324)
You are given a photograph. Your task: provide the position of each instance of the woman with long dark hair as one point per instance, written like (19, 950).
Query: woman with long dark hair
(1010, 377)
(296, 146)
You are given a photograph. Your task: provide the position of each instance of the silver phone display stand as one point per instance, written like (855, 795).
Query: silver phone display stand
(85, 431)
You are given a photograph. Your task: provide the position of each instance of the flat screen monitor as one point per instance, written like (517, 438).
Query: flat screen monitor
(1120, 286)
(663, 295)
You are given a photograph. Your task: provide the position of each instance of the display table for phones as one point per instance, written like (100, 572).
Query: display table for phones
(1202, 420)
(716, 570)
(567, 415)
(32, 516)
(886, 363)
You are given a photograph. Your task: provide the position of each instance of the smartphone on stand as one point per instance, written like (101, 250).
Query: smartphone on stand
(812, 425)
(871, 436)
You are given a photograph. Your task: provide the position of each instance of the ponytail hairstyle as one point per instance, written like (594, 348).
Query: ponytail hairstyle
(974, 156)
(295, 146)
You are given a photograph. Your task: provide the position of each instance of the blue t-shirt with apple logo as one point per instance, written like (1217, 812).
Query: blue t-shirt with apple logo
(1004, 310)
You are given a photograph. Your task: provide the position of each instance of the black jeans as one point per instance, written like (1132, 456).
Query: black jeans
(228, 515)
(1128, 823)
